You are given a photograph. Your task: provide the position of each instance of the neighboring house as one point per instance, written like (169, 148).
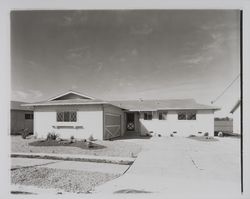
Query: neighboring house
(21, 117)
(224, 125)
(78, 115)
(236, 117)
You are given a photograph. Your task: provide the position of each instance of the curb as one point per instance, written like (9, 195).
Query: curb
(79, 158)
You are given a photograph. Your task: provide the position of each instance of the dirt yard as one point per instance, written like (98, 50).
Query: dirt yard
(109, 148)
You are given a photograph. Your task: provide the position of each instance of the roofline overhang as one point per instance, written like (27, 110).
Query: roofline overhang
(63, 104)
(74, 92)
(172, 109)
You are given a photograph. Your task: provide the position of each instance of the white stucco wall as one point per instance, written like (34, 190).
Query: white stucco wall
(89, 119)
(236, 121)
(204, 123)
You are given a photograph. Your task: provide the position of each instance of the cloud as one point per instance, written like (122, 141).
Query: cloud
(78, 52)
(26, 95)
(217, 41)
(99, 67)
(144, 29)
(134, 52)
(35, 93)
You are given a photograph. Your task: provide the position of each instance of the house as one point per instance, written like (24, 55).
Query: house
(224, 125)
(236, 117)
(79, 115)
(21, 117)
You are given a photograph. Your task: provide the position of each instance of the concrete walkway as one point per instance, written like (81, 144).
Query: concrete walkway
(69, 165)
(177, 166)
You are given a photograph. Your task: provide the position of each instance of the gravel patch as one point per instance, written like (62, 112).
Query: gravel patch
(111, 148)
(66, 180)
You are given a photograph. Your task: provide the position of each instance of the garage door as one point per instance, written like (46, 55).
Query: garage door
(112, 125)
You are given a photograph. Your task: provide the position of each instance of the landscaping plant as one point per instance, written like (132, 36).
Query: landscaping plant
(25, 133)
(52, 136)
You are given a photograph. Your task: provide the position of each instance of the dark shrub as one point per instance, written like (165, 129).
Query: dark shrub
(174, 131)
(171, 135)
(91, 138)
(200, 132)
(90, 145)
(206, 134)
(159, 135)
(220, 134)
(25, 133)
(51, 136)
(72, 139)
(190, 136)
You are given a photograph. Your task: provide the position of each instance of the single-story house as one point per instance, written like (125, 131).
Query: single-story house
(21, 117)
(79, 115)
(236, 117)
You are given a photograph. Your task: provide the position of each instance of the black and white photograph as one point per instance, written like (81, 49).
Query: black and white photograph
(126, 102)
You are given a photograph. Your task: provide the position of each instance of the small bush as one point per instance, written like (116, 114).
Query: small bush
(52, 136)
(25, 133)
(206, 134)
(171, 135)
(72, 139)
(159, 135)
(190, 136)
(151, 132)
(220, 134)
(200, 132)
(174, 132)
(91, 138)
(90, 145)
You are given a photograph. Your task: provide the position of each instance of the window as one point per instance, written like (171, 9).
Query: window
(28, 116)
(182, 116)
(162, 115)
(67, 116)
(186, 116)
(148, 116)
(191, 116)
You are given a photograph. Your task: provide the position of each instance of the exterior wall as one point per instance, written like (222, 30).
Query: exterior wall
(18, 121)
(204, 123)
(115, 110)
(236, 121)
(89, 122)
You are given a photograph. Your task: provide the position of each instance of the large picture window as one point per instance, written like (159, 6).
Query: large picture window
(187, 115)
(66, 116)
(148, 116)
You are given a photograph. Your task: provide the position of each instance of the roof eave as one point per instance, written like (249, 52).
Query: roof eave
(58, 104)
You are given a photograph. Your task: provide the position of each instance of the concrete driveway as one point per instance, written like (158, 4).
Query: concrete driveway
(177, 166)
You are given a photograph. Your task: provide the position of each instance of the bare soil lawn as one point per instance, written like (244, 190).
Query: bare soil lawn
(66, 180)
(116, 148)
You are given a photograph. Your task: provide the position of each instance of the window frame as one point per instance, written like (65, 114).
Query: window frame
(72, 116)
(187, 115)
(161, 113)
(147, 114)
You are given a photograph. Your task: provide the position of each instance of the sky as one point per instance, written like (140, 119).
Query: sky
(127, 54)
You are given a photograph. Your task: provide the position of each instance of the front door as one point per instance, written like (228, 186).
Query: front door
(130, 122)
